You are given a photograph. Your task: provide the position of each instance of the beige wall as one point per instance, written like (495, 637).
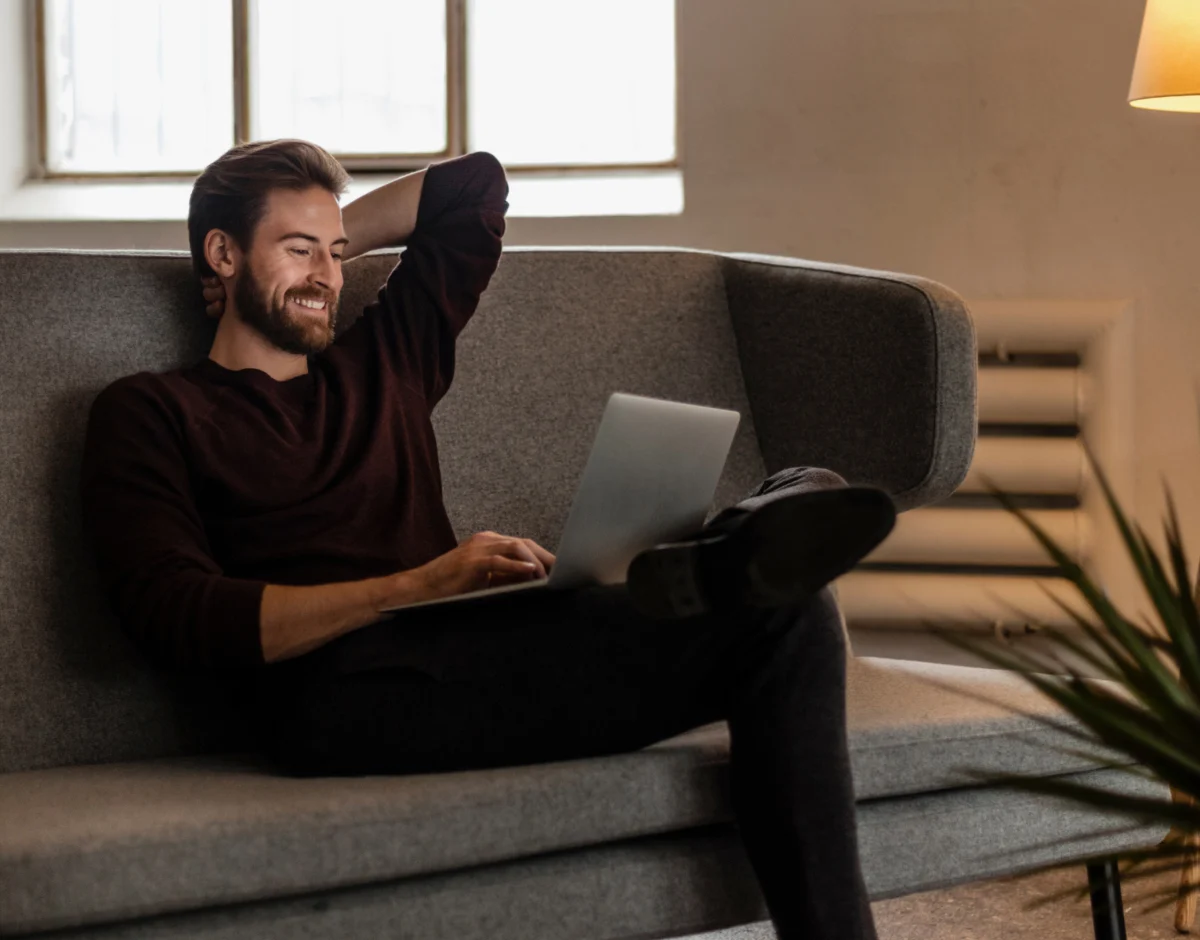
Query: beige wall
(14, 134)
(983, 143)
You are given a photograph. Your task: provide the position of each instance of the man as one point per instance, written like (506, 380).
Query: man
(255, 511)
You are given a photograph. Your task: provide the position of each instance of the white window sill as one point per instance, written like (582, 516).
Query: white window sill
(632, 192)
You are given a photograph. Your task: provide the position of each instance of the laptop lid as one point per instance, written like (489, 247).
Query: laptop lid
(650, 478)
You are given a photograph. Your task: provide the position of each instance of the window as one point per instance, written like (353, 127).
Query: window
(163, 87)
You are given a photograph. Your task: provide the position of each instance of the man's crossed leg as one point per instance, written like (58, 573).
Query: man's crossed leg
(530, 677)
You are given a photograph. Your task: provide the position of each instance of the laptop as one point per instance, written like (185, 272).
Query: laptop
(650, 478)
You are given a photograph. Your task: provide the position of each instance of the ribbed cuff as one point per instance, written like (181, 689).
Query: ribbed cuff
(235, 623)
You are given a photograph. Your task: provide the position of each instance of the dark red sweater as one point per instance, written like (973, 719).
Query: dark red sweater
(202, 485)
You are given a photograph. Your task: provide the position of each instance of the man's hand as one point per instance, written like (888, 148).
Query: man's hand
(214, 296)
(466, 568)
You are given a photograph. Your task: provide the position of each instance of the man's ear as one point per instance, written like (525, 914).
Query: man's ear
(222, 253)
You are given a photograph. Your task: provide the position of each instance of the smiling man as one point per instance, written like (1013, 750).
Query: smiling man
(255, 511)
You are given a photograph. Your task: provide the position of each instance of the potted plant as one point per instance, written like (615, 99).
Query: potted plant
(1149, 707)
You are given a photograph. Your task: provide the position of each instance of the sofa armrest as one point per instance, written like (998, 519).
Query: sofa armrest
(868, 373)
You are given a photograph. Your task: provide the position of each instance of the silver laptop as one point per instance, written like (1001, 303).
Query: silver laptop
(650, 478)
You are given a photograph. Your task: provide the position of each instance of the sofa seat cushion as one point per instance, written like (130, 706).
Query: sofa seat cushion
(917, 727)
(103, 842)
(95, 843)
(935, 840)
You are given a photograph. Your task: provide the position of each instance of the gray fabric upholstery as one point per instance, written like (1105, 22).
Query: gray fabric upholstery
(919, 727)
(180, 833)
(836, 399)
(934, 840)
(558, 330)
(662, 885)
(115, 801)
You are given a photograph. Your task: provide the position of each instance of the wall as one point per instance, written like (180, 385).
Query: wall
(983, 143)
(13, 111)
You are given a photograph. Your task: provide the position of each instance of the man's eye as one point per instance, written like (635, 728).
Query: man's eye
(337, 257)
(300, 251)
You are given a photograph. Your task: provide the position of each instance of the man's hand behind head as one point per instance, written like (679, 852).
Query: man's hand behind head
(214, 296)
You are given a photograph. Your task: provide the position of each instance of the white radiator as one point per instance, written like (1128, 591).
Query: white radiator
(967, 563)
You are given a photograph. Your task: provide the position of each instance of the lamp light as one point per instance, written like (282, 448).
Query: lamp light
(1166, 72)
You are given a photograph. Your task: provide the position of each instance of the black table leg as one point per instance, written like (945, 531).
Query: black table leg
(1108, 914)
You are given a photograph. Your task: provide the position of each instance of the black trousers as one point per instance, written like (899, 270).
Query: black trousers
(539, 676)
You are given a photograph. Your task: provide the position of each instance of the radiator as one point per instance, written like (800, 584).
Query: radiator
(1048, 374)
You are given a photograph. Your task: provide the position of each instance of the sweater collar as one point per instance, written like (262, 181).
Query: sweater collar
(253, 378)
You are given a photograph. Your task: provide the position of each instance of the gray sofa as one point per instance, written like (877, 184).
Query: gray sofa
(129, 805)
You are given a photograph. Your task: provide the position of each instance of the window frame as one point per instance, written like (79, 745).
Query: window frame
(456, 110)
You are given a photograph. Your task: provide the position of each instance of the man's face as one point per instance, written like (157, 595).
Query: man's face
(291, 277)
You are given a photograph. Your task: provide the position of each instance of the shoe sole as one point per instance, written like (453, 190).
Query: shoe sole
(781, 553)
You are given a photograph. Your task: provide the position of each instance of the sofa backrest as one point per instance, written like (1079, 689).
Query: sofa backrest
(558, 330)
(555, 334)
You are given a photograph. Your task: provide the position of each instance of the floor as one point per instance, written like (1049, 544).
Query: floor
(1001, 910)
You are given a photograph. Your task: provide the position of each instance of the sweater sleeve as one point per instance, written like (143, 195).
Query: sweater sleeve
(445, 267)
(149, 542)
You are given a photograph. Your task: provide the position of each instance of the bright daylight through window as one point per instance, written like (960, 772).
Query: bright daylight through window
(148, 86)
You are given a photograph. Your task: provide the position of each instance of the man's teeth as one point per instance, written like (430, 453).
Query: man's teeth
(313, 304)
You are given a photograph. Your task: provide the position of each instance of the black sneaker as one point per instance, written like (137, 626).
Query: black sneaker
(775, 555)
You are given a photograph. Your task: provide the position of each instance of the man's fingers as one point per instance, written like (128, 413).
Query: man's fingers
(505, 570)
(502, 564)
(521, 550)
(214, 296)
(545, 557)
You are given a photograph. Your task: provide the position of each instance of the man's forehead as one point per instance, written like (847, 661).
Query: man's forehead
(313, 210)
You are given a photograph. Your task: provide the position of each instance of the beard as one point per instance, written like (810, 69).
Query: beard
(296, 333)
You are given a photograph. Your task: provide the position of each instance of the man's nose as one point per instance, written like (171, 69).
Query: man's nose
(326, 275)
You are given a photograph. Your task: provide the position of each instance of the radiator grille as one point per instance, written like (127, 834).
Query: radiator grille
(966, 563)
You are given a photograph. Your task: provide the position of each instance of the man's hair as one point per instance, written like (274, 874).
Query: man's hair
(231, 193)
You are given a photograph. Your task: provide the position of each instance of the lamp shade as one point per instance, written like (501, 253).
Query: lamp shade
(1166, 72)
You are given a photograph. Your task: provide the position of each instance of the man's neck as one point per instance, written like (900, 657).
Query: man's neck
(236, 347)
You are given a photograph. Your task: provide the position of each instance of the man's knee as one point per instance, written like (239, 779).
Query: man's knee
(793, 480)
(824, 478)
(804, 478)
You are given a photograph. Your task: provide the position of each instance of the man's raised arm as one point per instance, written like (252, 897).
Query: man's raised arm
(384, 217)
(448, 260)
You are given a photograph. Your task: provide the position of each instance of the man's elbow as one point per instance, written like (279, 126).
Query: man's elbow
(193, 622)
(490, 182)
(160, 650)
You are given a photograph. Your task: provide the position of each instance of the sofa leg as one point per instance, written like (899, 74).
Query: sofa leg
(1189, 872)
(1189, 880)
(1108, 913)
